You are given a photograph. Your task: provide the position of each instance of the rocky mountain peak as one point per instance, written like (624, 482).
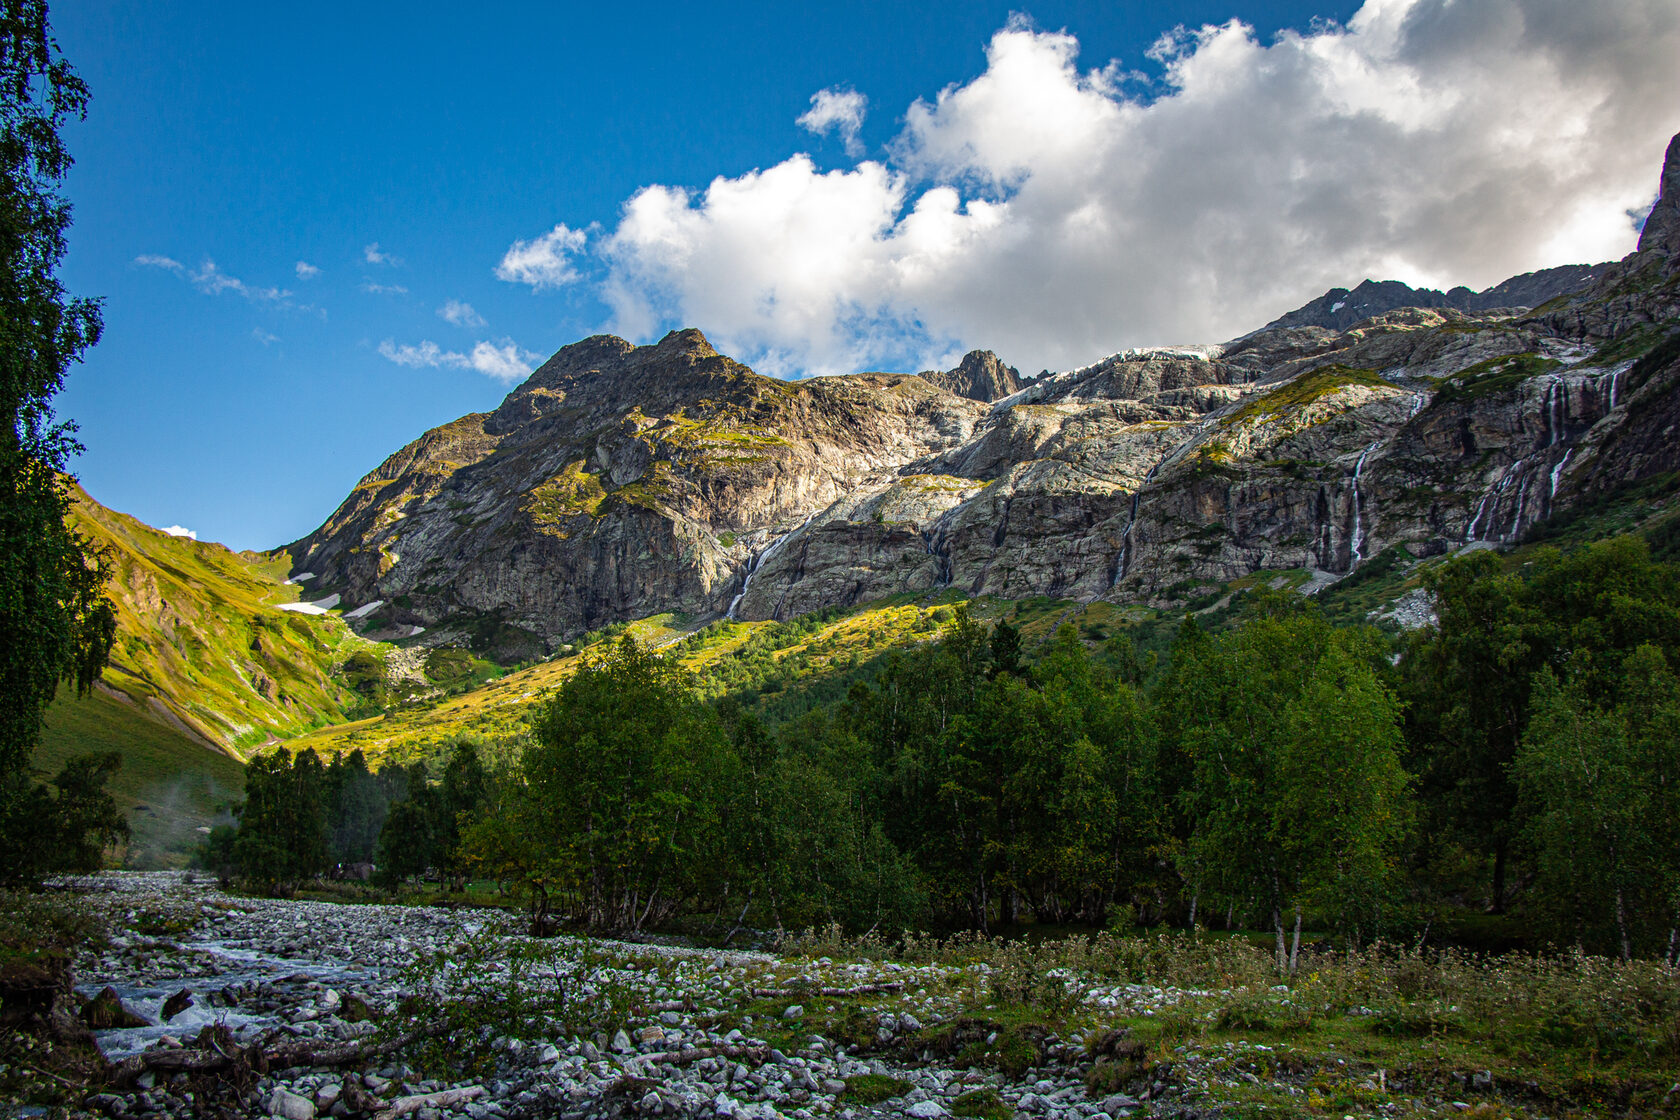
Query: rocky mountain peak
(604, 374)
(1340, 309)
(1662, 227)
(980, 376)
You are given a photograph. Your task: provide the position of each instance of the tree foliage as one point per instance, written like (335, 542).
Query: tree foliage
(1262, 772)
(54, 624)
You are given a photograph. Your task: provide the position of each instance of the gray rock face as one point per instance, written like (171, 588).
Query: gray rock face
(1662, 226)
(980, 377)
(616, 480)
(620, 481)
(1339, 308)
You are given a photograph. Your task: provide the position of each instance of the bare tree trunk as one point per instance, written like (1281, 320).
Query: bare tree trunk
(1195, 898)
(1499, 876)
(1621, 926)
(1295, 946)
(1282, 953)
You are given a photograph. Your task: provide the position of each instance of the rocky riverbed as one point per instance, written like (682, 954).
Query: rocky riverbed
(501, 1025)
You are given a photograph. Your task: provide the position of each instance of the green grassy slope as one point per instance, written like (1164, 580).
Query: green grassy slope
(198, 630)
(169, 785)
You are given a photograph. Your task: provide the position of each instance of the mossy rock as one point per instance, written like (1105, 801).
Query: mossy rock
(982, 1104)
(971, 1042)
(105, 1011)
(873, 1088)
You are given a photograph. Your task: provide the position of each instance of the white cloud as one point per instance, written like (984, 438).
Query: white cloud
(1058, 214)
(168, 264)
(181, 531)
(504, 360)
(307, 271)
(461, 314)
(543, 262)
(371, 254)
(264, 337)
(839, 109)
(212, 281)
(384, 289)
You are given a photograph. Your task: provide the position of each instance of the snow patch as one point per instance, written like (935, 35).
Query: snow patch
(319, 606)
(365, 610)
(1337, 306)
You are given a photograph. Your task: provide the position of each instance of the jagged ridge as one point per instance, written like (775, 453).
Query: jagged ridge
(620, 480)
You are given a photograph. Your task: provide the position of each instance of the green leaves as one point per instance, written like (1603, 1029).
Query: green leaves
(1296, 796)
(54, 625)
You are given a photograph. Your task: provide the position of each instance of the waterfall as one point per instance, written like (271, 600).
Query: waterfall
(1125, 563)
(1492, 495)
(932, 540)
(756, 561)
(1557, 406)
(1516, 520)
(1557, 472)
(1357, 544)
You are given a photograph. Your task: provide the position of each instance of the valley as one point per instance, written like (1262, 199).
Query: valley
(780, 539)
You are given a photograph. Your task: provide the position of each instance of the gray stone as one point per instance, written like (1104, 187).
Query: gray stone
(290, 1106)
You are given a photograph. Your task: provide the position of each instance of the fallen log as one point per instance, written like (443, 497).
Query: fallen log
(830, 993)
(756, 1054)
(219, 1052)
(446, 1098)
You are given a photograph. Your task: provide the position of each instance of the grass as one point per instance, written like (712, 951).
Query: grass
(571, 493)
(873, 1088)
(1302, 391)
(169, 786)
(198, 629)
(1380, 1029)
(1495, 375)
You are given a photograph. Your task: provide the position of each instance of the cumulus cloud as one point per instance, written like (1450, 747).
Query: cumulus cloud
(504, 360)
(181, 531)
(264, 337)
(307, 271)
(543, 262)
(372, 254)
(837, 109)
(1057, 213)
(461, 314)
(384, 289)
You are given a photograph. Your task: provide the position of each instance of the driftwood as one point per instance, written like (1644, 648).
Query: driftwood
(214, 1050)
(758, 1055)
(831, 993)
(447, 1098)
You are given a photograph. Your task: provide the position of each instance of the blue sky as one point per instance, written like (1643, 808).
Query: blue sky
(290, 210)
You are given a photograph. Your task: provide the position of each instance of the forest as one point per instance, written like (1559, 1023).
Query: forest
(1508, 776)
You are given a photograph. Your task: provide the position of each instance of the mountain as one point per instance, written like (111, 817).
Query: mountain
(979, 377)
(1339, 309)
(202, 644)
(619, 481)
